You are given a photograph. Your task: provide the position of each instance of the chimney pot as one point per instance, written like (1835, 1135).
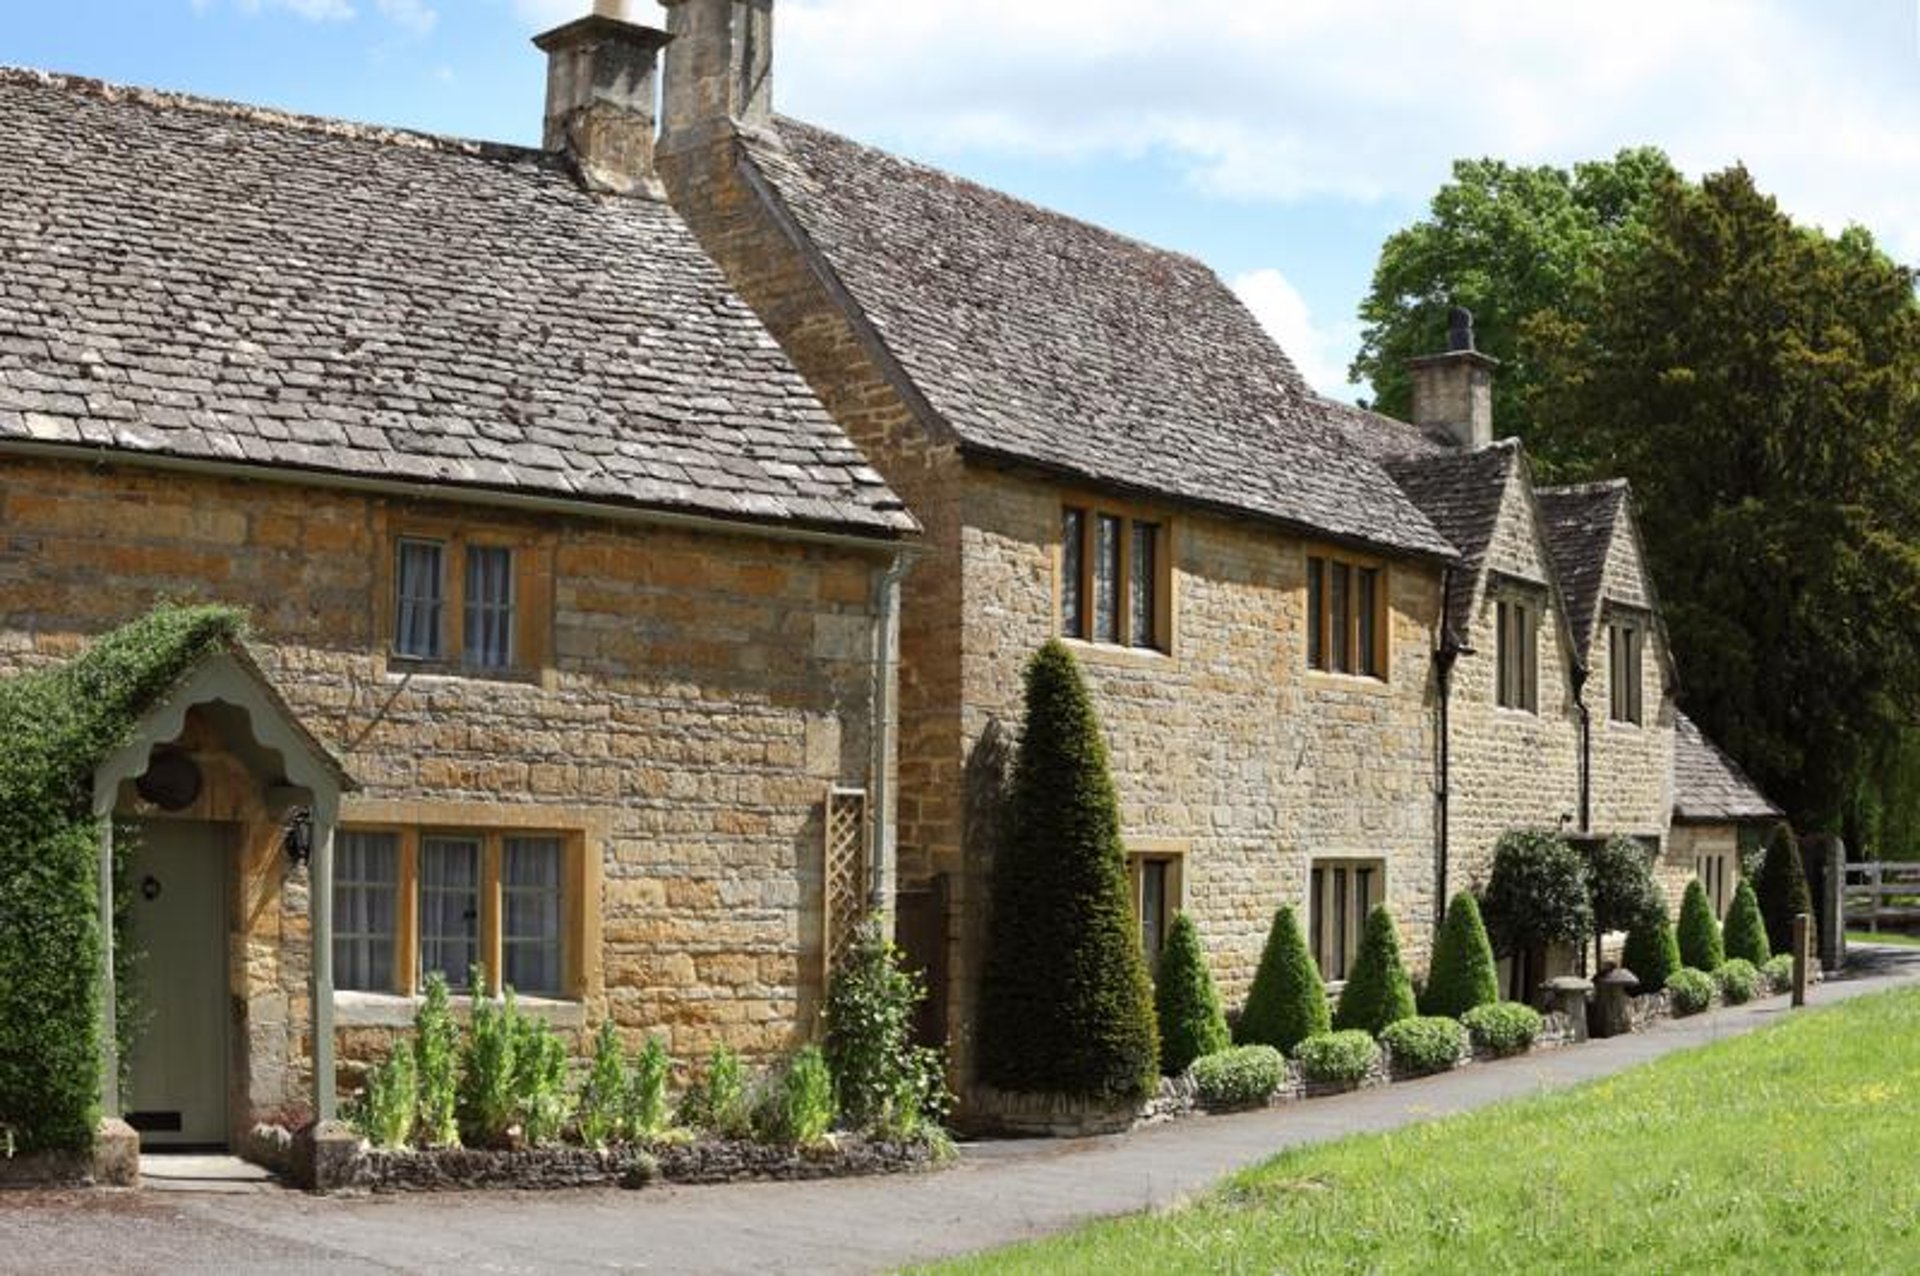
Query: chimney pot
(602, 77)
(1453, 392)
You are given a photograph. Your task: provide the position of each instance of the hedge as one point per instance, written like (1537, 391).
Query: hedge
(1425, 1045)
(1066, 1006)
(1338, 1058)
(1288, 1001)
(1242, 1077)
(1184, 1001)
(56, 726)
(1690, 991)
(1505, 1027)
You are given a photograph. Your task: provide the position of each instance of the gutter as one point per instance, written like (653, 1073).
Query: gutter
(883, 871)
(878, 541)
(1443, 661)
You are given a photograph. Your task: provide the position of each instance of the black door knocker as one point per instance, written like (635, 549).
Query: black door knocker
(150, 888)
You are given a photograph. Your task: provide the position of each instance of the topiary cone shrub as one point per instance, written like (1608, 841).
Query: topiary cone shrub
(1378, 991)
(1745, 937)
(1184, 1001)
(1065, 1003)
(1288, 1000)
(1781, 889)
(1652, 952)
(1463, 974)
(1700, 945)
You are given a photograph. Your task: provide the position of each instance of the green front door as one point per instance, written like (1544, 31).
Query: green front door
(178, 1073)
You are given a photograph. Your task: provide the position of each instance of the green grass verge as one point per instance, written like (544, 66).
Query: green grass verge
(1787, 1150)
(1893, 937)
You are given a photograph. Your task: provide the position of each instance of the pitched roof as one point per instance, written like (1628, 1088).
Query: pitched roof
(1382, 437)
(1461, 493)
(210, 281)
(1708, 786)
(1040, 340)
(1579, 524)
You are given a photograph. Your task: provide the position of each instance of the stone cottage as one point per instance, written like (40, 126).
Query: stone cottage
(543, 539)
(1720, 817)
(1336, 655)
(1103, 446)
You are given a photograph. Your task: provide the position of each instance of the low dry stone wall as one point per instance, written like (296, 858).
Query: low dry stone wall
(549, 1168)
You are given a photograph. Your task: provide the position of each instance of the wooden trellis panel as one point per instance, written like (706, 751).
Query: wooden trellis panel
(845, 902)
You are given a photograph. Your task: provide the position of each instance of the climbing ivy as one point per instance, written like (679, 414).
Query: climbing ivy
(56, 726)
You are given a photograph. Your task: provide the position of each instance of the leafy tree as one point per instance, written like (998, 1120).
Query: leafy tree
(1288, 1000)
(1378, 991)
(1759, 385)
(1066, 1005)
(1652, 952)
(1745, 936)
(1463, 974)
(1184, 1000)
(1536, 896)
(1507, 242)
(1781, 890)
(1620, 877)
(1700, 943)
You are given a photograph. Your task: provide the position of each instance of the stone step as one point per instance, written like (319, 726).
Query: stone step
(194, 1172)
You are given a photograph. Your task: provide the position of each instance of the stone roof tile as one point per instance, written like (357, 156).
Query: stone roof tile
(1708, 786)
(232, 284)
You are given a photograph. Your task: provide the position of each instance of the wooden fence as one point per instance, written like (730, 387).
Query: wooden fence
(1882, 894)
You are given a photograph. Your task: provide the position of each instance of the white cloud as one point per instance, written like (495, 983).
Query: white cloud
(416, 17)
(1371, 99)
(1317, 349)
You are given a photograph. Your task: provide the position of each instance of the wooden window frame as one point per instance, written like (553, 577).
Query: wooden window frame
(1718, 868)
(1354, 915)
(576, 937)
(530, 640)
(1517, 689)
(1371, 661)
(1626, 671)
(1092, 511)
(1175, 886)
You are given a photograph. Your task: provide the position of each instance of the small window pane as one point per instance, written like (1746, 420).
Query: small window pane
(489, 631)
(1340, 604)
(449, 907)
(1153, 910)
(1316, 615)
(530, 877)
(1106, 581)
(1073, 548)
(366, 875)
(1369, 581)
(1142, 598)
(421, 584)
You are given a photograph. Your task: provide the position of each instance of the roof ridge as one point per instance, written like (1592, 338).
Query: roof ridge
(1598, 487)
(1053, 214)
(113, 92)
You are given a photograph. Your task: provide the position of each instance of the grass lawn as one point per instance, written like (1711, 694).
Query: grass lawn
(1893, 937)
(1789, 1150)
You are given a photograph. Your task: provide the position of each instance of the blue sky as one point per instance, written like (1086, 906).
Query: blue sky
(1279, 140)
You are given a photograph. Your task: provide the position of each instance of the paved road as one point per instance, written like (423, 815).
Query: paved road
(1000, 1192)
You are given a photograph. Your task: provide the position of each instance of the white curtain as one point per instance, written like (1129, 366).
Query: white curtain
(530, 876)
(449, 907)
(417, 627)
(489, 634)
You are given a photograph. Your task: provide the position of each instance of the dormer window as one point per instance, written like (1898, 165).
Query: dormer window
(1626, 644)
(1518, 642)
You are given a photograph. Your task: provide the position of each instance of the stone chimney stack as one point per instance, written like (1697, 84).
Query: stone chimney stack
(1454, 391)
(720, 72)
(602, 74)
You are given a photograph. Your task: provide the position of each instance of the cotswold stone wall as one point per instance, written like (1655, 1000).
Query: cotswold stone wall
(1227, 750)
(701, 694)
(1510, 769)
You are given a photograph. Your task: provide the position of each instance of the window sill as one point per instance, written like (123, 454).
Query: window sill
(352, 1009)
(1115, 654)
(412, 668)
(1621, 724)
(1518, 715)
(1330, 680)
